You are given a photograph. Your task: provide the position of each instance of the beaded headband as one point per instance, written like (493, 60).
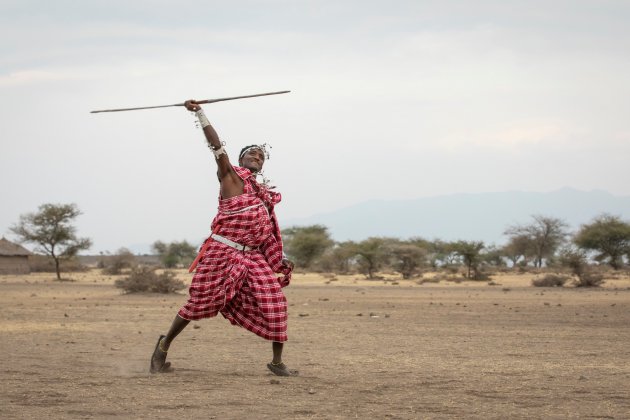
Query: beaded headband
(262, 147)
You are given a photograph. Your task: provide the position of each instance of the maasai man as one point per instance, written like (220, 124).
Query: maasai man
(235, 270)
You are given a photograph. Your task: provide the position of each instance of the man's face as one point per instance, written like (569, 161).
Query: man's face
(253, 160)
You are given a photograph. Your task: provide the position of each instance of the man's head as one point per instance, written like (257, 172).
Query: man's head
(253, 157)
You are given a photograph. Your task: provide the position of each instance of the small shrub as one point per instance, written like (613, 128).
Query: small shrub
(145, 279)
(481, 275)
(589, 279)
(116, 263)
(550, 280)
(577, 262)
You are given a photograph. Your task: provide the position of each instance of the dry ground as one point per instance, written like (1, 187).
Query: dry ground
(364, 350)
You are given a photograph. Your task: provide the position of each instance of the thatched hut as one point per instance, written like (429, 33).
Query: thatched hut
(13, 258)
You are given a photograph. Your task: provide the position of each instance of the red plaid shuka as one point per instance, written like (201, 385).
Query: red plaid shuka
(243, 285)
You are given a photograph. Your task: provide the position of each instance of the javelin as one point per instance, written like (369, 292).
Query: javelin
(205, 101)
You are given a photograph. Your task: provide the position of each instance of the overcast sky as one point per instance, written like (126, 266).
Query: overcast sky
(390, 100)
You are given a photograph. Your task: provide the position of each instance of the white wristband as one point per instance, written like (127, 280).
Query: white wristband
(203, 120)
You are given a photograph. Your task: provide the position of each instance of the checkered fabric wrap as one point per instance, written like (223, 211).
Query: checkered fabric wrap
(243, 286)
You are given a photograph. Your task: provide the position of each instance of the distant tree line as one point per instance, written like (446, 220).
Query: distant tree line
(542, 242)
(177, 254)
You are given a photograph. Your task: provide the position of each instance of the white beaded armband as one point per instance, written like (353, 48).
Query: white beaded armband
(203, 120)
(217, 152)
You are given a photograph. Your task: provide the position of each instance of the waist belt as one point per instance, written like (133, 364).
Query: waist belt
(221, 239)
(230, 242)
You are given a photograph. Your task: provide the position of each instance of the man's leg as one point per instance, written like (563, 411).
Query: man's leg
(177, 326)
(158, 360)
(277, 352)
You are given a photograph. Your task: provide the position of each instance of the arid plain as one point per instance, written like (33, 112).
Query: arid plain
(364, 349)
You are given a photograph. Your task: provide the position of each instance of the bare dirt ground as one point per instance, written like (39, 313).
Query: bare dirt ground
(365, 349)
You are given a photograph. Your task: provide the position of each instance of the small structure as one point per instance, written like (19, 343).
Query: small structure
(13, 258)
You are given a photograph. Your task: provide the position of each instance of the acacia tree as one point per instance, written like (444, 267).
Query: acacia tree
(545, 235)
(407, 258)
(470, 252)
(51, 230)
(339, 257)
(175, 254)
(441, 253)
(305, 244)
(609, 236)
(517, 249)
(372, 254)
(493, 256)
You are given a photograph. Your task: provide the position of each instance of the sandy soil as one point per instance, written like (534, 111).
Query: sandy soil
(365, 349)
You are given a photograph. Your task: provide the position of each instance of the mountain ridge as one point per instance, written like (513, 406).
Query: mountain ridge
(466, 216)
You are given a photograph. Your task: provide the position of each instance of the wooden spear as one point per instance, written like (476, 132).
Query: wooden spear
(205, 101)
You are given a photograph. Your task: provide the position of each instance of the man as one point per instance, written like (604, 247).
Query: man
(235, 270)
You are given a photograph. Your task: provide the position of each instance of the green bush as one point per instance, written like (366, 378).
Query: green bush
(146, 279)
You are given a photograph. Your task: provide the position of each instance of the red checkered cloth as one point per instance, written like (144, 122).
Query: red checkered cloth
(243, 286)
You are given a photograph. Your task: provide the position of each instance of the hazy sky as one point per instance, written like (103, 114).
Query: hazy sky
(390, 99)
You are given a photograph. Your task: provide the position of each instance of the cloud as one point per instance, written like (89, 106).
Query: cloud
(529, 133)
(396, 99)
(32, 77)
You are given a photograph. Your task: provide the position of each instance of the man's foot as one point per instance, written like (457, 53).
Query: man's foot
(280, 369)
(158, 359)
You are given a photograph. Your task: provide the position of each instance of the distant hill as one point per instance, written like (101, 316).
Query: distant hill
(482, 216)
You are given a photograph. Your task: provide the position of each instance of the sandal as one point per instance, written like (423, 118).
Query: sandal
(280, 369)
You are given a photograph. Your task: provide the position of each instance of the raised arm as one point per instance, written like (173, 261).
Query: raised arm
(231, 183)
